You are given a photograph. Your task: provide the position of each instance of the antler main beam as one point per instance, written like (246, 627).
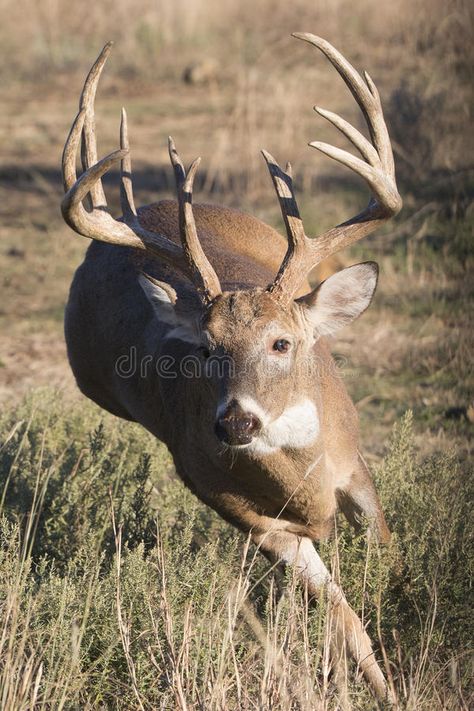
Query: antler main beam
(376, 168)
(99, 224)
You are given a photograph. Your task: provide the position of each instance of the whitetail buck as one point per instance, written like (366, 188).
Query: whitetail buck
(269, 438)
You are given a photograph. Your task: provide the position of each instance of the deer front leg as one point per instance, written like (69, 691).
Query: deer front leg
(347, 632)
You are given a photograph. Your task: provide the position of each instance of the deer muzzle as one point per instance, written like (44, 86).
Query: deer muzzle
(236, 427)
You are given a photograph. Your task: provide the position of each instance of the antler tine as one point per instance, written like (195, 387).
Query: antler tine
(68, 161)
(177, 163)
(365, 93)
(296, 251)
(89, 142)
(127, 202)
(364, 146)
(99, 224)
(376, 168)
(203, 275)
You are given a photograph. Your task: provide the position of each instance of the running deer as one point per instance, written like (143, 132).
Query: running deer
(243, 389)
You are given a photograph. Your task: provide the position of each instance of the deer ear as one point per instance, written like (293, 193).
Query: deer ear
(161, 296)
(184, 321)
(341, 298)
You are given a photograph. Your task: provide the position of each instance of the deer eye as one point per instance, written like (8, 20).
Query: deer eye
(204, 352)
(282, 345)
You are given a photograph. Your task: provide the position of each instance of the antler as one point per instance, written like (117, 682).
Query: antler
(99, 224)
(203, 275)
(377, 169)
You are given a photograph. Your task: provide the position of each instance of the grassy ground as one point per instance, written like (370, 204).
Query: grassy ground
(167, 610)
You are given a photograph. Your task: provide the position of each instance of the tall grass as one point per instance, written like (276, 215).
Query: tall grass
(119, 590)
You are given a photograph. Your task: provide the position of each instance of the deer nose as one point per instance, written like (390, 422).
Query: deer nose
(235, 426)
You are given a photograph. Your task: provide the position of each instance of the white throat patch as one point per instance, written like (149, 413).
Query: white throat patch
(296, 428)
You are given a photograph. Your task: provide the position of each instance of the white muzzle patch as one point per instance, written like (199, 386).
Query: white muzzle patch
(296, 428)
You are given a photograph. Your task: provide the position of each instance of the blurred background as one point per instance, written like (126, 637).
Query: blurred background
(226, 79)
